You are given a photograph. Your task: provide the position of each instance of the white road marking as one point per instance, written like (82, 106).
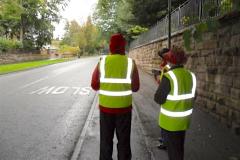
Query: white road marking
(65, 69)
(61, 90)
(85, 91)
(77, 89)
(56, 73)
(34, 82)
(43, 90)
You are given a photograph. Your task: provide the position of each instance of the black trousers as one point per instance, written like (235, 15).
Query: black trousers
(121, 123)
(175, 143)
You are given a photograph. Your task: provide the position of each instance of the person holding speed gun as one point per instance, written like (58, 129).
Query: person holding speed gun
(175, 95)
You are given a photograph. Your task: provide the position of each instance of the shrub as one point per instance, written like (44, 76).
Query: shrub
(9, 44)
(65, 49)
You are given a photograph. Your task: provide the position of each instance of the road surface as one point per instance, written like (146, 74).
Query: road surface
(43, 110)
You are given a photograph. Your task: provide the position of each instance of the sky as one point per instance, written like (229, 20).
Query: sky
(77, 10)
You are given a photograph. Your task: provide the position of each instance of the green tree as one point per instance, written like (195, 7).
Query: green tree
(131, 17)
(87, 37)
(10, 16)
(31, 21)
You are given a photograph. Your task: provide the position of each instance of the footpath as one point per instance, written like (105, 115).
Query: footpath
(207, 139)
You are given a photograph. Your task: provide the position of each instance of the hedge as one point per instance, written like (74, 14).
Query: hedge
(9, 44)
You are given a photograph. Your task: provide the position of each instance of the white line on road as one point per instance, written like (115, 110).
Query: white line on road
(34, 82)
(57, 72)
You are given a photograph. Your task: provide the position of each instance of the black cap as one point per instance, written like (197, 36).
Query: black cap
(163, 51)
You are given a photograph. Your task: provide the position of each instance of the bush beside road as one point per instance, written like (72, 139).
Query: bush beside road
(8, 68)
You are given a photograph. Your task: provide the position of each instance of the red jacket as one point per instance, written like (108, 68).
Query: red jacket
(96, 85)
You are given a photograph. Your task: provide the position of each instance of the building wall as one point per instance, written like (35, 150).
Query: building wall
(216, 63)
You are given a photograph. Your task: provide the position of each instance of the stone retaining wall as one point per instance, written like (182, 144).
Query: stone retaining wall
(216, 63)
(14, 58)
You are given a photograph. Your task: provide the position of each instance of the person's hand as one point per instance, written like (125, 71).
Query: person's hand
(157, 78)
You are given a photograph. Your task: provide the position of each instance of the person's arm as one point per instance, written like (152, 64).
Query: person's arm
(162, 91)
(95, 83)
(135, 79)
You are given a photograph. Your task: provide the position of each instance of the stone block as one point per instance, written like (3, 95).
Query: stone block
(235, 116)
(223, 90)
(211, 44)
(232, 70)
(201, 69)
(236, 82)
(211, 105)
(201, 102)
(212, 69)
(235, 93)
(201, 92)
(222, 110)
(225, 42)
(210, 60)
(221, 99)
(228, 51)
(233, 103)
(223, 32)
(236, 61)
(235, 29)
(210, 78)
(224, 60)
(236, 128)
(224, 80)
(211, 96)
(235, 41)
(201, 76)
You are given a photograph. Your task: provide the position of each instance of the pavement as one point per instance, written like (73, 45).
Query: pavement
(207, 139)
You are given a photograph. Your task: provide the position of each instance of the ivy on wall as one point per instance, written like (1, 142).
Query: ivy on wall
(210, 24)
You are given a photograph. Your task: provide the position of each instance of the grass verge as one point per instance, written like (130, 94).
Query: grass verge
(8, 68)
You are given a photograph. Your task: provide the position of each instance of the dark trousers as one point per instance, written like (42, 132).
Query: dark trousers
(175, 143)
(122, 124)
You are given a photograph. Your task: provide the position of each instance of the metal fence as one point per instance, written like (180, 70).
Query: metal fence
(189, 13)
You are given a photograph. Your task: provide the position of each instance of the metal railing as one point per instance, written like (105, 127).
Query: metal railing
(189, 13)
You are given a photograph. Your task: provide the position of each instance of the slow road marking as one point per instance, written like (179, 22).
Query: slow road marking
(61, 90)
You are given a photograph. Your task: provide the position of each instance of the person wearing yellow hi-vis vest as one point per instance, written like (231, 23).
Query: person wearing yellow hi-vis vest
(175, 95)
(115, 77)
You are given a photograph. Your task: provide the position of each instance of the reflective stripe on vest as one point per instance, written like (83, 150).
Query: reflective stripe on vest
(115, 80)
(127, 80)
(175, 96)
(176, 114)
(119, 93)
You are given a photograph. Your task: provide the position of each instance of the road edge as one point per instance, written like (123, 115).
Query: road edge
(146, 139)
(79, 144)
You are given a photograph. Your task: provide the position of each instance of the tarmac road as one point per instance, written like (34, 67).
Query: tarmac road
(43, 110)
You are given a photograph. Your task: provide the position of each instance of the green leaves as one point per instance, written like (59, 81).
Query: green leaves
(29, 20)
(135, 31)
(187, 34)
(126, 16)
(86, 37)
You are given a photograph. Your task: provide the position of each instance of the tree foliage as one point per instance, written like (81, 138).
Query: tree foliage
(87, 37)
(128, 15)
(30, 21)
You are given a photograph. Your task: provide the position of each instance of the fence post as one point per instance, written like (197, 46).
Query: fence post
(218, 8)
(179, 17)
(169, 23)
(200, 10)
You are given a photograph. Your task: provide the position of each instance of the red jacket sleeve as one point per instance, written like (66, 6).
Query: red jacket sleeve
(135, 79)
(95, 84)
